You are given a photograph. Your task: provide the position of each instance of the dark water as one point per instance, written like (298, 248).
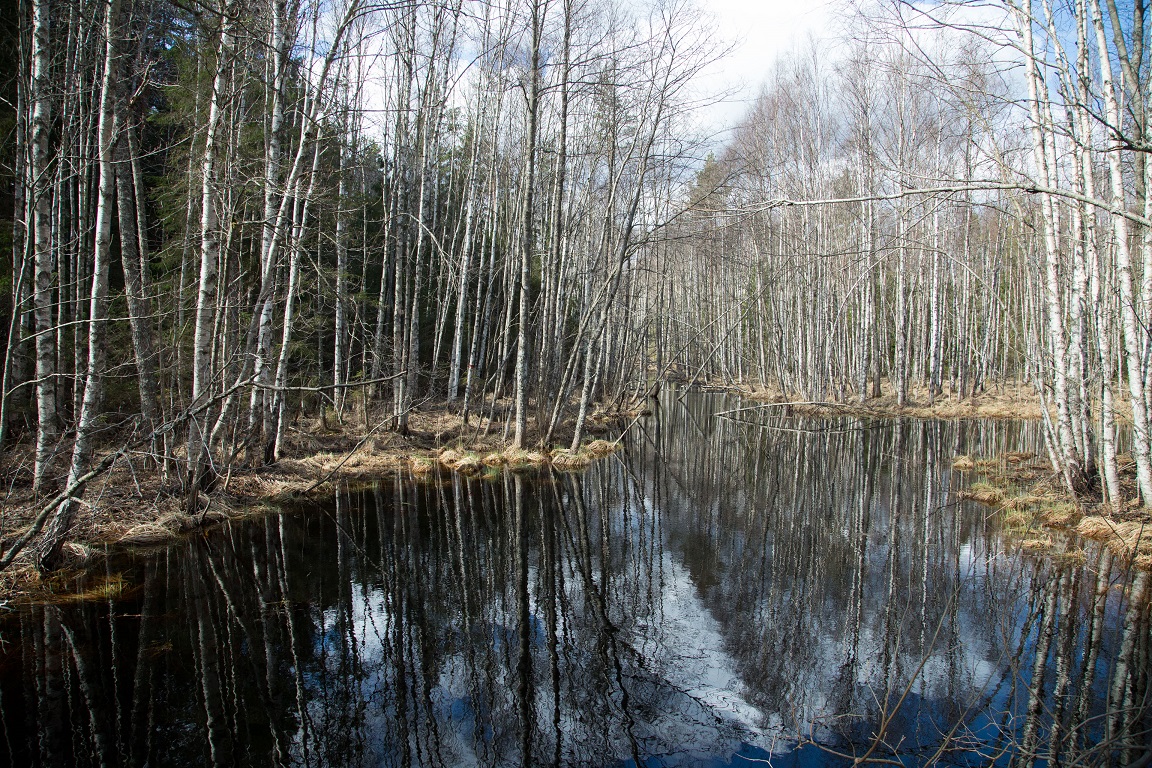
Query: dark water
(788, 592)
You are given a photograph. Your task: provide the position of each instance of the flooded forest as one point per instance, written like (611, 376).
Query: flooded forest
(687, 518)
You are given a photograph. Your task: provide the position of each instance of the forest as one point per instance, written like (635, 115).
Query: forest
(223, 216)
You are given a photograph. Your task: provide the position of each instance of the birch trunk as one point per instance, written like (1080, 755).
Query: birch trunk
(200, 469)
(528, 233)
(47, 429)
(48, 555)
(1132, 330)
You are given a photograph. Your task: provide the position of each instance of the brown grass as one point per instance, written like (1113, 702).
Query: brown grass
(132, 506)
(1024, 509)
(1006, 400)
(1029, 502)
(1130, 540)
(599, 448)
(469, 464)
(567, 461)
(421, 465)
(1059, 514)
(518, 459)
(983, 493)
(449, 456)
(963, 463)
(146, 535)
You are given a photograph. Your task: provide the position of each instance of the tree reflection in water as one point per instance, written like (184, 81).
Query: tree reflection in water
(805, 591)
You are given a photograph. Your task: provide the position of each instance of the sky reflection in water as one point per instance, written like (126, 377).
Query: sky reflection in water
(719, 594)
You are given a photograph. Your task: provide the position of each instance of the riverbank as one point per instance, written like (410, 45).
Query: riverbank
(1038, 513)
(1009, 400)
(133, 505)
(1021, 488)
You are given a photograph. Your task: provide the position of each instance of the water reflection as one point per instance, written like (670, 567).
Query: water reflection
(803, 592)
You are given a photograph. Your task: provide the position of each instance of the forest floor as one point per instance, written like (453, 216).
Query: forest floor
(134, 505)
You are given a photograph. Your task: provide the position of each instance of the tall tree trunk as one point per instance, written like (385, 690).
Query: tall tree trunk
(48, 556)
(527, 233)
(139, 305)
(47, 429)
(200, 470)
(1133, 331)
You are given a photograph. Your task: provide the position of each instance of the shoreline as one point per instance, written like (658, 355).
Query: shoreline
(1020, 488)
(132, 507)
(1009, 401)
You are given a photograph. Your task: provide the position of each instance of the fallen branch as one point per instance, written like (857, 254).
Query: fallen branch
(76, 488)
(348, 456)
(1031, 189)
(821, 403)
(325, 388)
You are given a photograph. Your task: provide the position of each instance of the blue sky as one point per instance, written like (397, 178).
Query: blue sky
(761, 31)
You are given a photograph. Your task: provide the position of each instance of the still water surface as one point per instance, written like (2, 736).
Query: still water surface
(763, 591)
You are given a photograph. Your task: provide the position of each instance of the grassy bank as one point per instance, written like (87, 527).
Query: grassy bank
(1038, 513)
(1011, 400)
(133, 505)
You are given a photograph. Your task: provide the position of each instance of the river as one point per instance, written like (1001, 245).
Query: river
(751, 589)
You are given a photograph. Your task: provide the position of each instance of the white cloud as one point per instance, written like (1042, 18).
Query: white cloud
(760, 30)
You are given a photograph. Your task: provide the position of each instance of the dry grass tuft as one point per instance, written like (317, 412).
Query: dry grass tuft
(449, 456)
(984, 494)
(963, 463)
(1095, 527)
(469, 464)
(599, 448)
(147, 535)
(1059, 514)
(567, 461)
(520, 460)
(276, 487)
(514, 457)
(178, 521)
(1130, 540)
(422, 465)
(494, 459)
(517, 458)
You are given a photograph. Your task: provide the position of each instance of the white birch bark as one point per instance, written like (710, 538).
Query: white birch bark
(200, 471)
(1130, 322)
(1070, 465)
(48, 554)
(47, 429)
(528, 232)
